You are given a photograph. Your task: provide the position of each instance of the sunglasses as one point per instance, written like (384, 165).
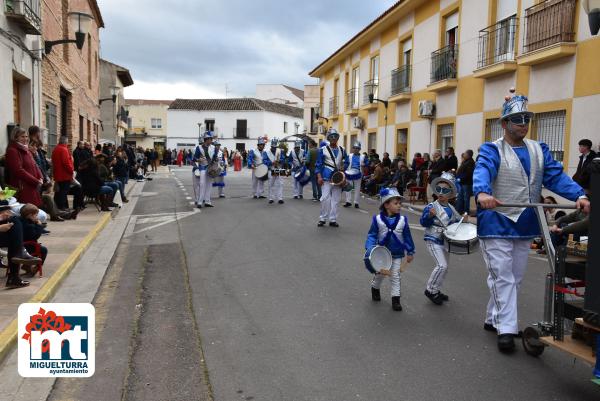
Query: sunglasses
(443, 190)
(520, 119)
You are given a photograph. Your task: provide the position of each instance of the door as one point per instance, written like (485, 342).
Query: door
(402, 142)
(51, 126)
(240, 146)
(16, 102)
(64, 111)
(241, 129)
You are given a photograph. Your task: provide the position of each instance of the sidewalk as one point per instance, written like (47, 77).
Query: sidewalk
(66, 243)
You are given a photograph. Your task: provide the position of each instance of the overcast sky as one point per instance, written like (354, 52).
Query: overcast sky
(194, 48)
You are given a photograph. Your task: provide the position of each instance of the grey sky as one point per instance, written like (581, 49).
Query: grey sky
(185, 48)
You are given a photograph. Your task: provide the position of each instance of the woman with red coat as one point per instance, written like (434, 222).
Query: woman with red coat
(179, 158)
(23, 173)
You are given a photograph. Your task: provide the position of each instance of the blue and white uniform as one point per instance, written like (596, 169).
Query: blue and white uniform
(219, 181)
(276, 160)
(326, 166)
(357, 162)
(256, 158)
(513, 175)
(202, 182)
(296, 158)
(434, 238)
(393, 233)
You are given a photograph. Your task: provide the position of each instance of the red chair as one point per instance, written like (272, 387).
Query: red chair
(418, 193)
(37, 252)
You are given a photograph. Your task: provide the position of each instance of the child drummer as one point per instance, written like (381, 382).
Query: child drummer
(436, 216)
(391, 230)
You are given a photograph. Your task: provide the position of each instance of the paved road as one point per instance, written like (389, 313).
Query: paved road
(250, 301)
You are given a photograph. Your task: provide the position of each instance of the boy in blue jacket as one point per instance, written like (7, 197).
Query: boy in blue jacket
(391, 230)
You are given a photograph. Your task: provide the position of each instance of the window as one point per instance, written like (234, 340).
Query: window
(209, 124)
(451, 37)
(406, 52)
(550, 129)
(445, 136)
(375, 76)
(493, 130)
(372, 141)
(89, 60)
(285, 127)
(51, 126)
(241, 129)
(156, 123)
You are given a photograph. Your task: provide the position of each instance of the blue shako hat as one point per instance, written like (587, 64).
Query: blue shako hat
(356, 145)
(261, 141)
(274, 142)
(514, 104)
(208, 135)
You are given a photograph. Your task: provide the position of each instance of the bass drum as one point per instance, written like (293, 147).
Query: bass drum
(302, 176)
(261, 172)
(461, 238)
(379, 260)
(352, 174)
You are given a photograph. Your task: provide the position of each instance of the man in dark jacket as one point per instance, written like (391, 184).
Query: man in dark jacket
(450, 160)
(583, 174)
(465, 175)
(80, 155)
(437, 166)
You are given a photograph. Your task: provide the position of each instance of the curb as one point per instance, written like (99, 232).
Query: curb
(8, 336)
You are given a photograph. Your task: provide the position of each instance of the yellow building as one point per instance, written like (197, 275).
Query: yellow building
(445, 66)
(147, 123)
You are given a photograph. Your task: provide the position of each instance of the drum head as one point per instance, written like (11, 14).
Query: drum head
(352, 171)
(261, 172)
(464, 232)
(380, 258)
(197, 172)
(337, 178)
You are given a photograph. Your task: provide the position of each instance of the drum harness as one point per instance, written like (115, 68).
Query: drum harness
(334, 167)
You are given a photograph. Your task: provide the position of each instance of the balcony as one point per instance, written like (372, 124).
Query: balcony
(352, 101)
(496, 50)
(400, 91)
(333, 107)
(370, 87)
(549, 32)
(241, 133)
(26, 13)
(444, 64)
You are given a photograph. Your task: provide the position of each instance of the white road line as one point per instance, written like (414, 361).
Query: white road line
(363, 211)
(193, 203)
(188, 197)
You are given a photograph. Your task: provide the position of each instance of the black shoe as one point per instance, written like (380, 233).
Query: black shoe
(271, 201)
(356, 205)
(435, 298)
(300, 196)
(255, 197)
(321, 223)
(280, 201)
(262, 197)
(295, 196)
(16, 283)
(506, 342)
(375, 294)
(221, 196)
(208, 205)
(489, 327)
(444, 296)
(333, 224)
(199, 206)
(396, 304)
(347, 204)
(45, 232)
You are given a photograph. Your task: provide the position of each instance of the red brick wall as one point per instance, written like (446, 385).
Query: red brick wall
(70, 69)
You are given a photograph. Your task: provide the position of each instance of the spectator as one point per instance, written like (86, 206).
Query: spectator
(402, 177)
(180, 158)
(62, 169)
(92, 184)
(373, 155)
(79, 155)
(98, 149)
(450, 160)
(386, 162)
(120, 171)
(464, 176)
(583, 174)
(417, 162)
(88, 149)
(106, 177)
(36, 147)
(32, 231)
(437, 166)
(23, 172)
(576, 223)
(377, 178)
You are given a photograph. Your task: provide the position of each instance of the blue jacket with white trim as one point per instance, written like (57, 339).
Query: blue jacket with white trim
(393, 233)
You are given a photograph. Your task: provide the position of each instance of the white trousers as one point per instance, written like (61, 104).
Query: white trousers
(355, 192)
(330, 198)
(257, 185)
(506, 260)
(298, 189)
(275, 187)
(394, 278)
(220, 188)
(198, 194)
(202, 188)
(440, 257)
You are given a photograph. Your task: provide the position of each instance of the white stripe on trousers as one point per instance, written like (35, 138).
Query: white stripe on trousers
(275, 187)
(436, 280)
(506, 260)
(257, 185)
(394, 278)
(355, 191)
(330, 198)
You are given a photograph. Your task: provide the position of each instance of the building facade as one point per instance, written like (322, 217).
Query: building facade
(237, 122)
(20, 65)
(444, 68)
(312, 102)
(113, 78)
(147, 122)
(71, 77)
(279, 93)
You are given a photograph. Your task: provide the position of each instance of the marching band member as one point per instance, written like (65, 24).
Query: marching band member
(331, 158)
(296, 159)
(219, 181)
(513, 169)
(390, 229)
(357, 162)
(204, 154)
(256, 157)
(436, 216)
(277, 160)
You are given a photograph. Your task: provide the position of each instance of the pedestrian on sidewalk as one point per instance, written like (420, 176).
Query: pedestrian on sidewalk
(23, 172)
(435, 218)
(390, 229)
(464, 176)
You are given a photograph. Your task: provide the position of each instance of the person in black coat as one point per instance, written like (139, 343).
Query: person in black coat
(464, 176)
(583, 174)
(450, 160)
(92, 185)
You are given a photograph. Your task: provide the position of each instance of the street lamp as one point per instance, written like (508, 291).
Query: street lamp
(114, 92)
(372, 99)
(82, 22)
(592, 9)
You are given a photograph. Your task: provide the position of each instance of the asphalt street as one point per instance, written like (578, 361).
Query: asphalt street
(251, 301)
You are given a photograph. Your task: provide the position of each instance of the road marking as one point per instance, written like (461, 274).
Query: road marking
(188, 197)
(193, 203)
(162, 220)
(363, 211)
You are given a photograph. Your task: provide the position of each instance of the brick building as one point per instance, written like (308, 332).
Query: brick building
(71, 77)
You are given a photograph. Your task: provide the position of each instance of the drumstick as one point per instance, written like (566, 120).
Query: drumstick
(403, 266)
(385, 272)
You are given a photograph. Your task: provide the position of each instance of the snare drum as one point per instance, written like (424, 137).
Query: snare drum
(461, 238)
(380, 258)
(261, 172)
(352, 174)
(278, 172)
(338, 178)
(302, 176)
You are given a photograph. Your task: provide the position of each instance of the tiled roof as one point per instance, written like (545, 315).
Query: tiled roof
(236, 104)
(297, 92)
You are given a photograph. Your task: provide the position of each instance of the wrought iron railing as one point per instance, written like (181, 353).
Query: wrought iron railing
(352, 99)
(241, 132)
(370, 87)
(401, 80)
(333, 106)
(30, 9)
(550, 22)
(497, 42)
(444, 63)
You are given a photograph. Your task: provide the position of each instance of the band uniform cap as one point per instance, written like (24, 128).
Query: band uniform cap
(261, 141)
(208, 135)
(447, 178)
(298, 143)
(388, 193)
(356, 145)
(332, 133)
(274, 142)
(513, 105)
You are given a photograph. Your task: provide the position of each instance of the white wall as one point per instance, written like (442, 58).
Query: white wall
(388, 61)
(406, 24)
(496, 88)
(585, 123)
(553, 80)
(403, 112)
(425, 41)
(276, 91)
(420, 138)
(446, 103)
(468, 133)
(472, 20)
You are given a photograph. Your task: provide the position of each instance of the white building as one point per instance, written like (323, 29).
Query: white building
(20, 66)
(237, 122)
(279, 93)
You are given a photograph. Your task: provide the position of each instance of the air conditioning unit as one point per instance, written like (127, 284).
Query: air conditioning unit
(320, 129)
(426, 109)
(357, 122)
